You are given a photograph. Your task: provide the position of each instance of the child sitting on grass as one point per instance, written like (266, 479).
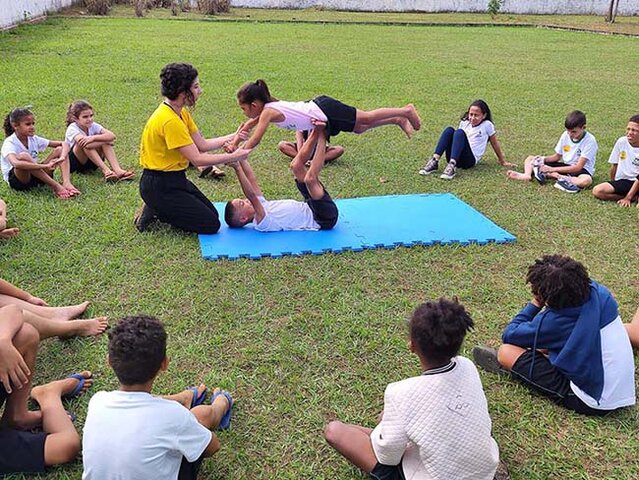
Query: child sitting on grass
(435, 425)
(32, 440)
(573, 163)
(568, 343)
(130, 433)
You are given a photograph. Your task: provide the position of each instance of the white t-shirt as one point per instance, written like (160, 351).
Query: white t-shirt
(439, 424)
(286, 215)
(12, 144)
(136, 436)
(73, 130)
(297, 115)
(627, 159)
(619, 370)
(571, 151)
(478, 136)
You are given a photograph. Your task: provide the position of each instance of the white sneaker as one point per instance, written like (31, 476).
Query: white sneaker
(449, 172)
(431, 166)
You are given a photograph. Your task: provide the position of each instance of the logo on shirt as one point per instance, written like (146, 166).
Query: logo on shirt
(34, 154)
(459, 405)
(635, 161)
(566, 148)
(623, 155)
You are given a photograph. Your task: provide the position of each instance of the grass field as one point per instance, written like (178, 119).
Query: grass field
(301, 341)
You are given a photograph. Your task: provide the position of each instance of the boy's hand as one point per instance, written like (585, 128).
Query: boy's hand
(317, 122)
(229, 147)
(37, 301)
(624, 202)
(13, 369)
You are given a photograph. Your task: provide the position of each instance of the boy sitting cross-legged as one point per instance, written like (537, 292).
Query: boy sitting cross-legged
(568, 343)
(318, 210)
(132, 434)
(435, 425)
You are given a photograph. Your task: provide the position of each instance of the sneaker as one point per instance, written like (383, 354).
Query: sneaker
(567, 186)
(486, 358)
(537, 173)
(449, 172)
(144, 217)
(431, 166)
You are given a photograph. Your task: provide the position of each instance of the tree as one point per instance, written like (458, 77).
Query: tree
(613, 8)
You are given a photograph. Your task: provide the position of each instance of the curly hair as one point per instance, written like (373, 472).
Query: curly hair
(559, 281)
(178, 78)
(75, 109)
(137, 347)
(438, 329)
(15, 116)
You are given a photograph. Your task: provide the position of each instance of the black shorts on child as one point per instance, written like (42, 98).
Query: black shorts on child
(20, 451)
(16, 184)
(341, 117)
(388, 472)
(324, 210)
(583, 171)
(621, 187)
(77, 166)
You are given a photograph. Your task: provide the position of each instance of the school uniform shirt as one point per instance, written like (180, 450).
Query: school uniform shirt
(163, 134)
(571, 151)
(297, 115)
(285, 215)
(74, 130)
(437, 426)
(12, 144)
(478, 136)
(137, 436)
(626, 157)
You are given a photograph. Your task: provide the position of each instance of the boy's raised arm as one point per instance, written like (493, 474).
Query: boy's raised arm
(249, 185)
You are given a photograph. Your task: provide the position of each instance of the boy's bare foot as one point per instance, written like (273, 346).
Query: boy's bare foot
(70, 312)
(413, 117)
(517, 176)
(406, 126)
(9, 233)
(185, 397)
(89, 327)
(62, 387)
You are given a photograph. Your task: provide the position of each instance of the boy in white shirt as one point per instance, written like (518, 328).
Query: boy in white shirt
(624, 169)
(317, 212)
(131, 434)
(573, 163)
(434, 426)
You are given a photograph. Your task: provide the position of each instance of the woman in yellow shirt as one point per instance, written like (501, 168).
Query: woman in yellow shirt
(170, 141)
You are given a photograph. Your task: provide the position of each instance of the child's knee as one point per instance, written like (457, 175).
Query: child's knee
(507, 355)
(62, 447)
(24, 156)
(27, 338)
(332, 432)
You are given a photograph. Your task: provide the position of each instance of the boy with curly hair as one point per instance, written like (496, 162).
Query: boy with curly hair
(441, 414)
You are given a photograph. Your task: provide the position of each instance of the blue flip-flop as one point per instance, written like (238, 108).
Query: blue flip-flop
(78, 388)
(225, 421)
(197, 399)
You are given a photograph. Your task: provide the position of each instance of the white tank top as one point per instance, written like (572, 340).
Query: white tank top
(297, 115)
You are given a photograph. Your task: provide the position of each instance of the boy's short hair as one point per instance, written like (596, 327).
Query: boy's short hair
(438, 329)
(137, 348)
(559, 281)
(575, 119)
(232, 216)
(634, 119)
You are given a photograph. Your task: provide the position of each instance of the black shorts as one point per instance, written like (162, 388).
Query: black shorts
(189, 470)
(77, 166)
(388, 472)
(324, 210)
(16, 184)
(341, 117)
(550, 382)
(583, 171)
(621, 187)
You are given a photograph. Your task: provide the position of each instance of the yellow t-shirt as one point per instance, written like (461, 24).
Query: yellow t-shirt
(163, 134)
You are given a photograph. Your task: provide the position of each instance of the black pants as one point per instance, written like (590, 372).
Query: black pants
(178, 202)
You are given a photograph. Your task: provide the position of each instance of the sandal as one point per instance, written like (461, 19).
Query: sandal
(205, 171)
(111, 177)
(126, 176)
(217, 173)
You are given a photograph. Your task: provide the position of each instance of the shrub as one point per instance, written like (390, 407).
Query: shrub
(213, 7)
(494, 6)
(97, 7)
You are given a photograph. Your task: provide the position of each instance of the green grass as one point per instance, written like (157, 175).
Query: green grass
(301, 341)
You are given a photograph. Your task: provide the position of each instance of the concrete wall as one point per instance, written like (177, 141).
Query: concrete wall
(582, 7)
(13, 12)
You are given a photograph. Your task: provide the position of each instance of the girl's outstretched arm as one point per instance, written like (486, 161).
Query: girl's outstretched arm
(267, 116)
(497, 148)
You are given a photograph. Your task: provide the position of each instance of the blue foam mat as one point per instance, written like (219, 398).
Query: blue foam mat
(365, 223)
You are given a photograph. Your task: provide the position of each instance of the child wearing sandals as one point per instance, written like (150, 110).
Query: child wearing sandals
(19, 157)
(91, 144)
(33, 440)
(435, 425)
(122, 435)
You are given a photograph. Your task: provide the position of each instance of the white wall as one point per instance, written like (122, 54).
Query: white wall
(582, 7)
(16, 11)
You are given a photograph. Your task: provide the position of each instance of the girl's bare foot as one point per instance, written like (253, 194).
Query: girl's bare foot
(70, 312)
(413, 117)
(89, 327)
(9, 233)
(517, 176)
(62, 387)
(406, 126)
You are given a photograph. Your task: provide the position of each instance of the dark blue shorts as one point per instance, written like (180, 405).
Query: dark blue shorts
(583, 171)
(16, 184)
(324, 210)
(388, 472)
(77, 166)
(341, 117)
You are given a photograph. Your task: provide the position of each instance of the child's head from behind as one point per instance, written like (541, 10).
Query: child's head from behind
(252, 96)
(575, 125)
(80, 112)
(477, 112)
(137, 349)
(437, 329)
(559, 281)
(238, 212)
(19, 120)
(180, 78)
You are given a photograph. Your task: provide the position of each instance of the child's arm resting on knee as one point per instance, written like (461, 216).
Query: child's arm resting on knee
(13, 369)
(94, 141)
(577, 167)
(20, 164)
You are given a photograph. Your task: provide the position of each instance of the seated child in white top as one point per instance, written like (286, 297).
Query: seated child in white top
(132, 434)
(91, 144)
(318, 211)
(624, 169)
(573, 163)
(435, 425)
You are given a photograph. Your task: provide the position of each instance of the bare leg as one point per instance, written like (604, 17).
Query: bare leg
(526, 176)
(288, 148)
(185, 397)
(63, 442)
(353, 442)
(109, 154)
(210, 415)
(388, 116)
(48, 327)
(4, 231)
(54, 313)
(25, 177)
(93, 155)
(633, 330)
(605, 191)
(332, 153)
(508, 354)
